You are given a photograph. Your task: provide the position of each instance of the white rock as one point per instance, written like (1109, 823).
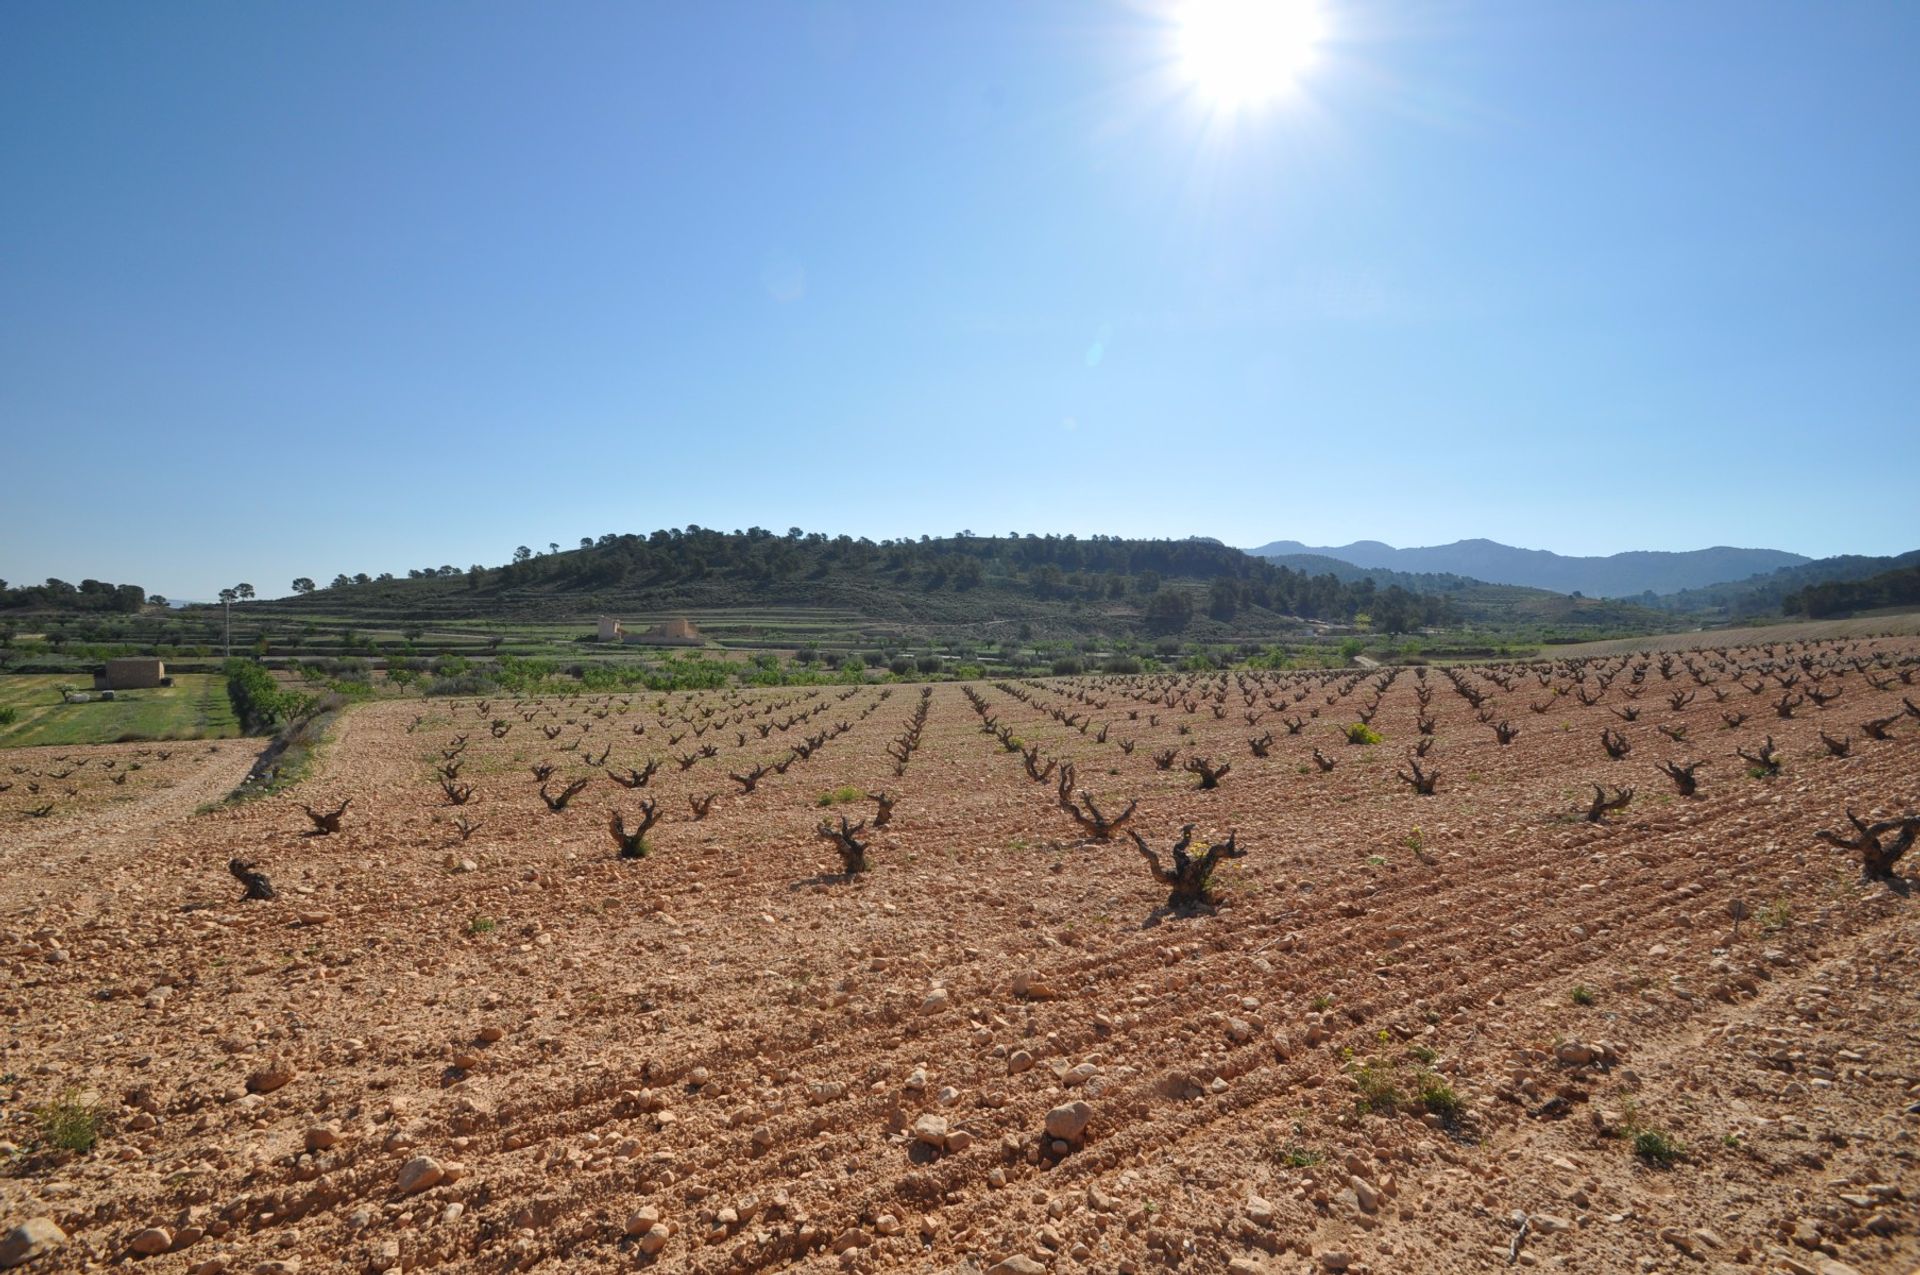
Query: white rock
(1068, 1123)
(420, 1173)
(35, 1237)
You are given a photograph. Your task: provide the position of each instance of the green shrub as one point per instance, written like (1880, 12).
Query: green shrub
(840, 796)
(1379, 1089)
(1657, 1148)
(1361, 733)
(9, 715)
(258, 701)
(1582, 994)
(1067, 666)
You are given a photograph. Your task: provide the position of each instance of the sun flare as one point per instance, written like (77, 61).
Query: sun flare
(1243, 53)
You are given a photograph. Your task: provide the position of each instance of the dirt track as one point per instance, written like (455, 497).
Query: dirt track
(730, 1039)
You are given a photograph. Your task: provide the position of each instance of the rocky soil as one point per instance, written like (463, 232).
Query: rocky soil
(1458, 1031)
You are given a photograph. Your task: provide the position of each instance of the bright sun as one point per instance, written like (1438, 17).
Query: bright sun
(1243, 53)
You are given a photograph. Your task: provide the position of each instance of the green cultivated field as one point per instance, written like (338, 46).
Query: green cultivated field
(194, 707)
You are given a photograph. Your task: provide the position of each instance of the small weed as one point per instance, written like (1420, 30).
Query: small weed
(482, 925)
(1322, 1003)
(1414, 842)
(840, 796)
(68, 1124)
(1422, 1055)
(1361, 733)
(1376, 861)
(1294, 1156)
(1582, 994)
(1774, 916)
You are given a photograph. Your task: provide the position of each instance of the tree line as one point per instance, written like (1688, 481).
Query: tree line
(88, 595)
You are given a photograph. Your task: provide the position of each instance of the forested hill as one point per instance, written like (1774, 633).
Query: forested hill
(1092, 583)
(1815, 588)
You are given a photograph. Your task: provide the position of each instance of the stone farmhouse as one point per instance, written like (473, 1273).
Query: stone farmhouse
(666, 633)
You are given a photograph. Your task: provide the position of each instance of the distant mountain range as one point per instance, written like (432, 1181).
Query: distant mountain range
(1619, 575)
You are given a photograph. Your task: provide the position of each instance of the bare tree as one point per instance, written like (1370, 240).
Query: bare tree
(1098, 826)
(1210, 774)
(258, 887)
(633, 845)
(1876, 857)
(634, 778)
(558, 802)
(1190, 880)
(1421, 781)
(1602, 804)
(1880, 727)
(1682, 775)
(1766, 759)
(326, 822)
(846, 839)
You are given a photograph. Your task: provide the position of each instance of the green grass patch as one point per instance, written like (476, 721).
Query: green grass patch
(1437, 1096)
(840, 796)
(194, 707)
(68, 1123)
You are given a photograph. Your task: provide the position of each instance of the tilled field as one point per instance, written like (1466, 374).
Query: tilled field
(1458, 1030)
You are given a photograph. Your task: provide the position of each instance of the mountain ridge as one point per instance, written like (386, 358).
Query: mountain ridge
(1628, 574)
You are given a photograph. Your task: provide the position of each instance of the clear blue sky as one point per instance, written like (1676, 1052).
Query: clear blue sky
(293, 289)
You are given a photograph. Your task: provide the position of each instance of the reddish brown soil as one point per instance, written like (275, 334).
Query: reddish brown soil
(729, 1035)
